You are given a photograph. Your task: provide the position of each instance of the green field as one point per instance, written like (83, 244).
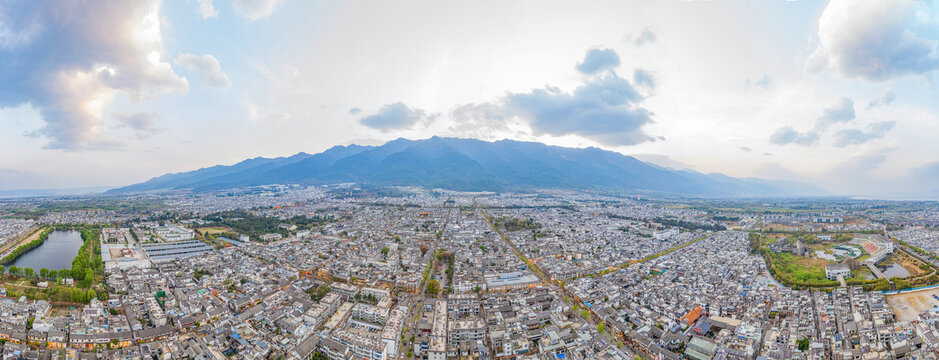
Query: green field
(212, 230)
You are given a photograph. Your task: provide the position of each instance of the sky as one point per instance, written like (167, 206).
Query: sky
(839, 94)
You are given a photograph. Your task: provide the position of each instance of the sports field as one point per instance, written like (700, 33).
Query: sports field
(212, 230)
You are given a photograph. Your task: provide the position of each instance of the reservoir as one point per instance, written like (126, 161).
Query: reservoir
(56, 253)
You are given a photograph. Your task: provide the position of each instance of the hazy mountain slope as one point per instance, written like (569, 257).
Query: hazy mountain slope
(468, 164)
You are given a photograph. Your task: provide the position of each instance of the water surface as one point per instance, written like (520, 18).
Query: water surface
(56, 253)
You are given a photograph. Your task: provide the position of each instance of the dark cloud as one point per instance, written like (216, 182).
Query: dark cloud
(80, 55)
(396, 116)
(886, 98)
(646, 36)
(746, 149)
(876, 40)
(605, 109)
(857, 136)
(598, 60)
(143, 123)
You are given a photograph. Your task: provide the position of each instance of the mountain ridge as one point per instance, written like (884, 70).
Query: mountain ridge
(471, 165)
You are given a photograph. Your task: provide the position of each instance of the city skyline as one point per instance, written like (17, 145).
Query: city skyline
(837, 94)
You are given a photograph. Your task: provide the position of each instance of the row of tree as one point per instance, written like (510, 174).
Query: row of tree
(26, 247)
(48, 274)
(88, 265)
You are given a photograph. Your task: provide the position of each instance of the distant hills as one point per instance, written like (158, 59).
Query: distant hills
(471, 165)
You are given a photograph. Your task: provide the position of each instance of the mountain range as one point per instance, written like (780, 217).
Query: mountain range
(472, 165)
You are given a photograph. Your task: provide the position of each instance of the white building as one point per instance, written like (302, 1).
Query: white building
(833, 271)
(665, 234)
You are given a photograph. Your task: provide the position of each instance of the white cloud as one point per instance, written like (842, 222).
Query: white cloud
(886, 98)
(209, 67)
(763, 81)
(17, 30)
(256, 9)
(841, 112)
(876, 39)
(647, 36)
(143, 123)
(598, 60)
(85, 55)
(207, 9)
(397, 116)
(857, 136)
(605, 108)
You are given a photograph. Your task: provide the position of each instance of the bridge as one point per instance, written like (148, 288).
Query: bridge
(874, 269)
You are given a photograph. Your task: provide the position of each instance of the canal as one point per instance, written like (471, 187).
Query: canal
(55, 254)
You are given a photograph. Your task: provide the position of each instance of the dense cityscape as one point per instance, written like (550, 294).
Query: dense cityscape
(342, 272)
(469, 180)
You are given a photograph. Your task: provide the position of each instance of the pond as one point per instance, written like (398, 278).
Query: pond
(56, 253)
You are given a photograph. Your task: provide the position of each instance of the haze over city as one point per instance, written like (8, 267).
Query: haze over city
(469, 180)
(837, 94)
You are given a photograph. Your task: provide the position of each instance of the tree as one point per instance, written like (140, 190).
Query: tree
(901, 284)
(476, 289)
(14, 270)
(318, 293)
(384, 251)
(3, 269)
(433, 287)
(43, 272)
(803, 344)
(852, 263)
(29, 272)
(52, 274)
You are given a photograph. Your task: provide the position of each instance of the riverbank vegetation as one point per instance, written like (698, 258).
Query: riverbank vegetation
(87, 274)
(22, 249)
